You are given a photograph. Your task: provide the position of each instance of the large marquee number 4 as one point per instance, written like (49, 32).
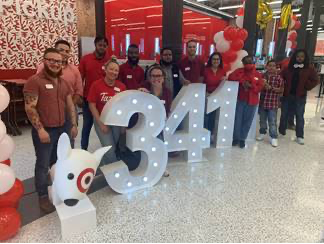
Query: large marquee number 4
(189, 108)
(142, 137)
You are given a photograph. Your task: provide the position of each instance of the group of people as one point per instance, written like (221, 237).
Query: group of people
(52, 95)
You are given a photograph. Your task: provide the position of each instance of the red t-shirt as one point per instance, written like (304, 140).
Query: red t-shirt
(132, 77)
(92, 69)
(213, 80)
(192, 70)
(100, 93)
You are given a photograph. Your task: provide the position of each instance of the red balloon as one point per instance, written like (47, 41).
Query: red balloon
(242, 34)
(297, 25)
(10, 222)
(240, 12)
(229, 56)
(294, 17)
(226, 67)
(12, 197)
(230, 33)
(7, 162)
(294, 45)
(292, 37)
(237, 45)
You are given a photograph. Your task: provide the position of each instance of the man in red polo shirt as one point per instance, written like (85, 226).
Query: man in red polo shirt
(91, 69)
(130, 73)
(192, 67)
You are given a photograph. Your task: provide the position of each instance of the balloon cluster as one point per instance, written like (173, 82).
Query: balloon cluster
(292, 34)
(11, 189)
(264, 14)
(230, 43)
(240, 16)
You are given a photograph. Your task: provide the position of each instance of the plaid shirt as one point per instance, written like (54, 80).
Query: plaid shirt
(270, 99)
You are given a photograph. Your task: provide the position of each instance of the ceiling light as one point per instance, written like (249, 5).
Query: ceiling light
(230, 7)
(275, 2)
(204, 7)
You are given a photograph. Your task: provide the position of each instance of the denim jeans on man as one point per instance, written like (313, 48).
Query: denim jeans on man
(87, 125)
(109, 139)
(244, 116)
(299, 110)
(46, 156)
(268, 117)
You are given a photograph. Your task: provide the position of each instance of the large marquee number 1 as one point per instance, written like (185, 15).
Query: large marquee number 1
(142, 137)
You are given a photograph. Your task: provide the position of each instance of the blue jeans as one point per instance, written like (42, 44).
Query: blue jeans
(87, 125)
(268, 116)
(109, 139)
(46, 156)
(298, 104)
(244, 115)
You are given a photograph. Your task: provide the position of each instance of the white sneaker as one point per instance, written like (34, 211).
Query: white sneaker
(300, 141)
(260, 137)
(274, 142)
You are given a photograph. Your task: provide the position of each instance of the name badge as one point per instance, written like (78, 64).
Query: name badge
(256, 78)
(117, 89)
(187, 68)
(175, 75)
(129, 76)
(163, 101)
(49, 86)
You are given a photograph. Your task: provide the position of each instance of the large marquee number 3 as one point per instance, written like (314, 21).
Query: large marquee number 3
(142, 137)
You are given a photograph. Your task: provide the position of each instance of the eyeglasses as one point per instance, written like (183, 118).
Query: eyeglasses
(156, 76)
(54, 61)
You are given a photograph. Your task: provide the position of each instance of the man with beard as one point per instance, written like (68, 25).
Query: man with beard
(47, 97)
(92, 69)
(192, 67)
(130, 73)
(174, 77)
(71, 75)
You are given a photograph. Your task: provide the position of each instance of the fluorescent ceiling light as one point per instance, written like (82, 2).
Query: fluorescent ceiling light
(276, 17)
(279, 11)
(195, 4)
(310, 20)
(298, 15)
(202, 1)
(197, 23)
(230, 7)
(275, 2)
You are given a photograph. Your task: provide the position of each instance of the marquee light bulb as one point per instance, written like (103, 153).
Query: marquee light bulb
(155, 164)
(153, 149)
(134, 101)
(184, 104)
(151, 124)
(175, 116)
(129, 184)
(149, 106)
(196, 95)
(119, 112)
(145, 179)
(117, 175)
(142, 139)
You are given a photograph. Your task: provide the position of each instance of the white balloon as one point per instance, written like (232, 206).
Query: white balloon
(4, 98)
(3, 130)
(239, 21)
(241, 54)
(292, 23)
(237, 64)
(223, 46)
(7, 146)
(288, 44)
(219, 36)
(7, 178)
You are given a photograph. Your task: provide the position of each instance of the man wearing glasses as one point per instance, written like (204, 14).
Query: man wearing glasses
(47, 97)
(71, 75)
(92, 69)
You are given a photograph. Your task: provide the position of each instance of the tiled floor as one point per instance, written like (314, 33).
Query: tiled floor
(260, 194)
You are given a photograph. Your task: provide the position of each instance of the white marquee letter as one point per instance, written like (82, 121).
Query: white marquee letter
(188, 106)
(142, 137)
(224, 98)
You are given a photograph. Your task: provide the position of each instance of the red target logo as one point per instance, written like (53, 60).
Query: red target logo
(84, 179)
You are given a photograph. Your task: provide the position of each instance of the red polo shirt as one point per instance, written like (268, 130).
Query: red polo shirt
(212, 80)
(92, 69)
(192, 70)
(132, 77)
(100, 93)
(251, 95)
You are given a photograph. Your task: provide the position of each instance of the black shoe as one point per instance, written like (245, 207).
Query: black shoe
(291, 127)
(235, 143)
(242, 144)
(323, 118)
(282, 132)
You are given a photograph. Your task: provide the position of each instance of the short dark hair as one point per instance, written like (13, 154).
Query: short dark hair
(164, 49)
(133, 46)
(64, 42)
(248, 56)
(209, 63)
(191, 40)
(294, 56)
(271, 61)
(99, 39)
(51, 50)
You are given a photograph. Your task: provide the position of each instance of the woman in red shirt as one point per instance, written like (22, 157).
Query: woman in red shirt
(214, 74)
(100, 93)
